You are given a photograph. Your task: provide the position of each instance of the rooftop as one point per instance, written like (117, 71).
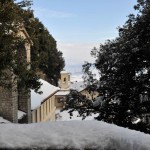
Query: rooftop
(47, 89)
(62, 93)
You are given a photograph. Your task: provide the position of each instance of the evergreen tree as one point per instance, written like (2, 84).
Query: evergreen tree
(11, 46)
(44, 53)
(124, 66)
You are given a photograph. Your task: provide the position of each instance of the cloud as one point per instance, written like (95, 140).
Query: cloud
(76, 53)
(42, 12)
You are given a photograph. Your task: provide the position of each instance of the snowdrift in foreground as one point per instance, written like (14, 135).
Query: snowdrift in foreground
(71, 135)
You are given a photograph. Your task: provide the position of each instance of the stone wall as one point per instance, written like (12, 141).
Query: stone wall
(65, 80)
(24, 96)
(13, 99)
(24, 103)
(9, 104)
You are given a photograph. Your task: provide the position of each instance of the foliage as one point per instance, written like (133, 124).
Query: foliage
(77, 101)
(124, 66)
(44, 53)
(12, 46)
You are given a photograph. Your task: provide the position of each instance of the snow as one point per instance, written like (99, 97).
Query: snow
(137, 120)
(47, 90)
(2, 120)
(62, 93)
(21, 114)
(72, 135)
(79, 86)
(98, 101)
(63, 72)
(65, 116)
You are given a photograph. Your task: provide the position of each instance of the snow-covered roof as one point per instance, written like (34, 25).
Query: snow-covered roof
(79, 86)
(47, 89)
(72, 135)
(62, 93)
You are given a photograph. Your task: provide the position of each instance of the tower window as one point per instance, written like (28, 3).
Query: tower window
(64, 79)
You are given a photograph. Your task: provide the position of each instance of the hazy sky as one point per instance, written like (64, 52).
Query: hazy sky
(79, 25)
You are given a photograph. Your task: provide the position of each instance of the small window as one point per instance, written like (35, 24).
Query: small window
(64, 79)
(59, 100)
(68, 77)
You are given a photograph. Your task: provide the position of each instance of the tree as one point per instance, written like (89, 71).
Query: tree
(124, 66)
(11, 45)
(44, 53)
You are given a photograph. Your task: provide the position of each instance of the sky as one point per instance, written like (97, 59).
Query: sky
(80, 25)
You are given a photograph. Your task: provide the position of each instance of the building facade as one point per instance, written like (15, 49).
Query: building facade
(43, 105)
(46, 111)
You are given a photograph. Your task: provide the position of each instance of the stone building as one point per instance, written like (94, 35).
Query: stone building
(43, 107)
(14, 101)
(64, 85)
(64, 82)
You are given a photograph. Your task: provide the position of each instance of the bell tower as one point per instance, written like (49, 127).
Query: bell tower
(65, 80)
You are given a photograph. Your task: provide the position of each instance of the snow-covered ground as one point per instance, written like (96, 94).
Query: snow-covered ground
(2, 120)
(72, 135)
